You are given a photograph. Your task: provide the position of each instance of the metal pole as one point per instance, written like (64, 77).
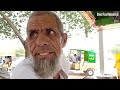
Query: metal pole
(101, 51)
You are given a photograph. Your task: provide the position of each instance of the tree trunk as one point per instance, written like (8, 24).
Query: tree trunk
(17, 33)
(26, 49)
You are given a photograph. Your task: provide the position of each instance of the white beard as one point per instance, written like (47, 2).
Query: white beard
(47, 68)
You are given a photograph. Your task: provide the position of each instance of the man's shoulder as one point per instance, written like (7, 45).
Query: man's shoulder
(65, 63)
(24, 66)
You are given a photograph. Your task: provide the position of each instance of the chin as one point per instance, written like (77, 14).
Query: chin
(46, 67)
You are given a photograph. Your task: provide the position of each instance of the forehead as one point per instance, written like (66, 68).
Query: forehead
(42, 21)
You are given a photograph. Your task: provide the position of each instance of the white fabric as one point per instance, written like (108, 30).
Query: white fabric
(24, 70)
(4, 73)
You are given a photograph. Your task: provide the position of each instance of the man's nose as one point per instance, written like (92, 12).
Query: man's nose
(42, 40)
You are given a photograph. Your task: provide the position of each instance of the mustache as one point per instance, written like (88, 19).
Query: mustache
(45, 48)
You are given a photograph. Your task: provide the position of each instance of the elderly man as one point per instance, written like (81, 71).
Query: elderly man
(45, 41)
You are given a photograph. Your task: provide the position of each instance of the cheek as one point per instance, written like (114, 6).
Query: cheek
(57, 44)
(32, 46)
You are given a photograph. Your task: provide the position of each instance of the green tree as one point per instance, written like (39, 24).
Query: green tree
(11, 27)
(20, 52)
(116, 49)
(73, 20)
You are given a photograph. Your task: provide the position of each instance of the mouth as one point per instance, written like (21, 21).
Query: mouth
(44, 55)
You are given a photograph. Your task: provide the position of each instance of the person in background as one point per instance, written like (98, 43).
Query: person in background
(4, 74)
(75, 58)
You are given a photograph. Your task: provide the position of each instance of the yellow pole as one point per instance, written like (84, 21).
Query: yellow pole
(117, 64)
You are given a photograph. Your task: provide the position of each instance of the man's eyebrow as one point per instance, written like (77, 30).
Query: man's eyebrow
(49, 28)
(30, 30)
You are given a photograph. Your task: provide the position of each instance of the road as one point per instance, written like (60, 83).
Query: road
(108, 69)
(76, 74)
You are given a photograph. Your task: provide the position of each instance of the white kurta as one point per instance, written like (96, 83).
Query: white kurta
(4, 73)
(24, 70)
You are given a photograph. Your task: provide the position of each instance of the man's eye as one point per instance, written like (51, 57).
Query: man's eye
(33, 34)
(50, 31)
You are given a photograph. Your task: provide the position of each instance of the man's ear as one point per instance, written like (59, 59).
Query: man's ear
(64, 40)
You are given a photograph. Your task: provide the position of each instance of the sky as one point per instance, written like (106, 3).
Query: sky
(8, 44)
(111, 37)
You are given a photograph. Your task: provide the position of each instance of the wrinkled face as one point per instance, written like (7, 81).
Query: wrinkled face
(45, 40)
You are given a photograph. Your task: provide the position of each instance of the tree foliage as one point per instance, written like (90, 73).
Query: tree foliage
(116, 49)
(16, 17)
(71, 20)
(74, 21)
(20, 52)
